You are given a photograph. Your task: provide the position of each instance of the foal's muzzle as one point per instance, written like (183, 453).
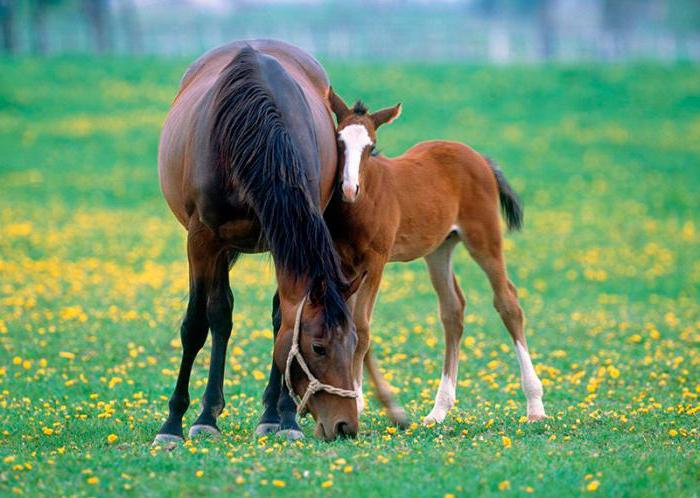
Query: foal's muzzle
(350, 191)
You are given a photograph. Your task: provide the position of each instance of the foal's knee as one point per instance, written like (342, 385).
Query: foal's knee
(507, 304)
(452, 318)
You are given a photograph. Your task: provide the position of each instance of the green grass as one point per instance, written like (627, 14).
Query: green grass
(93, 284)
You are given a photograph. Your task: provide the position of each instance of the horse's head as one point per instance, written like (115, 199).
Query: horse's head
(315, 351)
(356, 136)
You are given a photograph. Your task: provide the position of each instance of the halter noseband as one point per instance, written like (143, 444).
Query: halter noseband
(314, 384)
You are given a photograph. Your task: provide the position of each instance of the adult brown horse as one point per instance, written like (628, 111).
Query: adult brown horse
(247, 161)
(422, 204)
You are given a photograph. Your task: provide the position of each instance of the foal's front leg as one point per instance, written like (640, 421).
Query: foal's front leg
(363, 306)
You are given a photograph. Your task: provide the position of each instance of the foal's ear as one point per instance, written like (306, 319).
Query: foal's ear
(385, 115)
(337, 105)
(354, 285)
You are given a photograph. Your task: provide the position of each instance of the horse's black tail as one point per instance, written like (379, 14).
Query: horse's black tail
(254, 151)
(511, 206)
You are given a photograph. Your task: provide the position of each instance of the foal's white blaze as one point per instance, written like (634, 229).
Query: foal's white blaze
(444, 400)
(532, 387)
(355, 138)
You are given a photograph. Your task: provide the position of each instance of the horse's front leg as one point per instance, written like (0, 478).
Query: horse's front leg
(270, 419)
(279, 413)
(219, 315)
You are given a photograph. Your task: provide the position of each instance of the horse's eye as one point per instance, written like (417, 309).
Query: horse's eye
(318, 349)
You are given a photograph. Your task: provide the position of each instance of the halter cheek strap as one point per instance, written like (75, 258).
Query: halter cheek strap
(314, 384)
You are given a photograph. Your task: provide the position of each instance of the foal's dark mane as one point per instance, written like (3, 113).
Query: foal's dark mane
(254, 150)
(360, 108)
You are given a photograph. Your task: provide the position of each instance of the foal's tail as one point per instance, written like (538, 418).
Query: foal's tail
(511, 206)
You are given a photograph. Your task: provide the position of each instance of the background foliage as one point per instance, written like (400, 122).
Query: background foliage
(93, 284)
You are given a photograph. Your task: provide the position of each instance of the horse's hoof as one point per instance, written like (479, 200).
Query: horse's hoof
(204, 430)
(265, 429)
(167, 440)
(291, 434)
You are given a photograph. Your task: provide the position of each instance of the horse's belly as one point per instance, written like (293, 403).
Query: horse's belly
(244, 235)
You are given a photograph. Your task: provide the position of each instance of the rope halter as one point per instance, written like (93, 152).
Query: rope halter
(314, 384)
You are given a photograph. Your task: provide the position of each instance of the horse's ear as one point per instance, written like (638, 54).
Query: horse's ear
(337, 105)
(354, 285)
(387, 115)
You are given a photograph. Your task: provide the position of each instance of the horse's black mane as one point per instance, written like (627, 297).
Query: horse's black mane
(253, 149)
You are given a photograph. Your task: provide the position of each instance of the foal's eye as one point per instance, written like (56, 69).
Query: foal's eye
(318, 349)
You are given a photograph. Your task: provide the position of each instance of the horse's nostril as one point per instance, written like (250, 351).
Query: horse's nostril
(343, 429)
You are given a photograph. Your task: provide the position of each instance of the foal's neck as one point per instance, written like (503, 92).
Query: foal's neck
(374, 182)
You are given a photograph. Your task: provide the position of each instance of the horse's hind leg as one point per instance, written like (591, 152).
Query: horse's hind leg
(484, 242)
(193, 334)
(452, 305)
(219, 314)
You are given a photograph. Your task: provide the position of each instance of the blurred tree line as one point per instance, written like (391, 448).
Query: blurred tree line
(121, 26)
(100, 17)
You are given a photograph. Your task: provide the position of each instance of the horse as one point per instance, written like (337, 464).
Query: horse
(247, 162)
(421, 205)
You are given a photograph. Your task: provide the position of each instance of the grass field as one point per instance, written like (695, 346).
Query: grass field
(93, 284)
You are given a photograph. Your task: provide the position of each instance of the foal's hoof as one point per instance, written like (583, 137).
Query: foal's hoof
(168, 441)
(204, 430)
(536, 417)
(265, 429)
(433, 419)
(399, 417)
(291, 434)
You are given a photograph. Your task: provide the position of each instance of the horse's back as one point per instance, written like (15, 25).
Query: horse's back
(184, 131)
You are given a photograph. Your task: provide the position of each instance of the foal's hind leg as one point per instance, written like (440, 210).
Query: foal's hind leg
(452, 316)
(219, 314)
(484, 242)
(193, 334)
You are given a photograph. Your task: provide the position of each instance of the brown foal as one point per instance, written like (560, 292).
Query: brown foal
(422, 204)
